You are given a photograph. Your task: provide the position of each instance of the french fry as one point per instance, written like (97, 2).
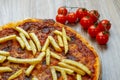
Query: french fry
(46, 44)
(34, 78)
(36, 40)
(33, 47)
(25, 41)
(29, 70)
(2, 58)
(60, 33)
(20, 42)
(68, 71)
(77, 64)
(55, 55)
(5, 69)
(16, 74)
(78, 77)
(64, 76)
(47, 56)
(7, 38)
(54, 44)
(23, 61)
(72, 68)
(20, 30)
(54, 74)
(4, 53)
(41, 56)
(60, 41)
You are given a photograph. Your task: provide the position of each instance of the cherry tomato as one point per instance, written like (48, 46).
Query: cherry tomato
(61, 18)
(102, 37)
(104, 25)
(81, 12)
(93, 30)
(71, 17)
(86, 22)
(94, 15)
(62, 10)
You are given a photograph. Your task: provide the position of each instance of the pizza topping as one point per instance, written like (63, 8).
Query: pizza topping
(54, 74)
(33, 47)
(2, 58)
(5, 69)
(20, 42)
(60, 41)
(7, 38)
(48, 56)
(78, 77)
(4, 53)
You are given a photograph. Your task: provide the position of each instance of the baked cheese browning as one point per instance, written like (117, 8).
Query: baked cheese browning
(29, 70)
(5, 69)
(2, 58)
(77, 64)
(46, 44)
(20, 42)
(33, 47)
(25, 41)
(7, 38)
(54, 74)
(68, 71)
(60, 33)
(4, 53)
(20, 30)
(65, 40)
(54, 44)
(60, 41)
(72, 68)
(47, 56)
(16, 74)
(55, 55)
(78, 77)
(36, 40)
(23, 61)
(64, 75)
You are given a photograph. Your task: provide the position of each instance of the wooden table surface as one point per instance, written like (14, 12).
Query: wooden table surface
(13, 10)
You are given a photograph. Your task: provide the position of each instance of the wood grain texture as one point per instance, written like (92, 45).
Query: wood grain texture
(13, 10)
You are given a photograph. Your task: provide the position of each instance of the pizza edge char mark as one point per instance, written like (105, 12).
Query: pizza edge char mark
(97, 61)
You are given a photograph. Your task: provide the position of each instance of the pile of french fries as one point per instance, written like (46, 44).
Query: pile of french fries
(31, 42)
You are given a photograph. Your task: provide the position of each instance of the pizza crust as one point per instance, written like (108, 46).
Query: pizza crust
(97, 65)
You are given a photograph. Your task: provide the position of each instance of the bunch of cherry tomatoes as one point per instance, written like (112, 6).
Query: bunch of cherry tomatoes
(89, 20)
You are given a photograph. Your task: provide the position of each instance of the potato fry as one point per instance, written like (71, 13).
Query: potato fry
(41, 56)
(4, 53)
(64, 76)
(2, 58)
(25, 41)
(36, 40)
(16, 74)
(47, 56)
(20, 30)
(33, 47)
(5, 69)
(60, 33)
(77, 64)
(46, 44)
(60, 41)
(68, 71)
(72, 68)
(54, 74)
(78, 77)
(34, 78)
(65, 40)
(54, 44)
(23, 61)
(7, 38)
(20, 42)
(29, 70)
(55, 55)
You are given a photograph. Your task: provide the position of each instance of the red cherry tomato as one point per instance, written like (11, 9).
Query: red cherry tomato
(94, 15)
(86, 22)
(102, 37)
(71, 17)
(104, 25)
(61, 18)
(81, 12)
(62, 10)
(93, 30)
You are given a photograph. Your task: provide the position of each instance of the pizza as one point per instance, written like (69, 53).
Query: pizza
(42, 49)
